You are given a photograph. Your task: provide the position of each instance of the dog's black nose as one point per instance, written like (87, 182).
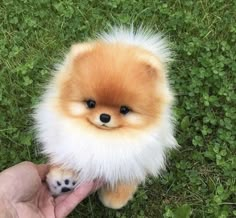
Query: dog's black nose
(105, 118)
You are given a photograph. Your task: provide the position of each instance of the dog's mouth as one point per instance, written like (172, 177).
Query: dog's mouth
(103, 126)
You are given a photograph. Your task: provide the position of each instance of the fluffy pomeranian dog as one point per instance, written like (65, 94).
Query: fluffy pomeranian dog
(106, 114)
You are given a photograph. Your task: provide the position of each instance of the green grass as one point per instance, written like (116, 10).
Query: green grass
(200, 178)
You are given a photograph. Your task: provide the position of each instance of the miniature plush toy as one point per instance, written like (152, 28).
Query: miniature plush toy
(106, 114)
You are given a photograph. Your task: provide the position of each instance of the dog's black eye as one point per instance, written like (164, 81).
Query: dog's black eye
(91, 103)
(124, 110)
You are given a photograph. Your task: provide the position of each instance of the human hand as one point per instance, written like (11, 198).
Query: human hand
(23, 194)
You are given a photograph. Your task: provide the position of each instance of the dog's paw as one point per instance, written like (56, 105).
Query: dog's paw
(117, 198)
(61, 180)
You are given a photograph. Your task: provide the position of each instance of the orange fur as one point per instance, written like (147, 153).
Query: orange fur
(114, 75)
(119, 197)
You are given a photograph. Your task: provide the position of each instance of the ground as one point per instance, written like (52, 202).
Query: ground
(200, 176)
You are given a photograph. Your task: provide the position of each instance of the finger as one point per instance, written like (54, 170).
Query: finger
(43, 170)
(63, 208)
(61, 198)
(45, 202)
(97, 184)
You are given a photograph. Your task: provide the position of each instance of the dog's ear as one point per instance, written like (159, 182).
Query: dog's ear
(76, 52)
(155, 69)
(152, 66)
(79, 49)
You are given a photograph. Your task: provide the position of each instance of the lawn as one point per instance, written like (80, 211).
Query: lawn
(200, 180)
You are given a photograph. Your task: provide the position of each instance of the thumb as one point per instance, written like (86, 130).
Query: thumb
(43, 170)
